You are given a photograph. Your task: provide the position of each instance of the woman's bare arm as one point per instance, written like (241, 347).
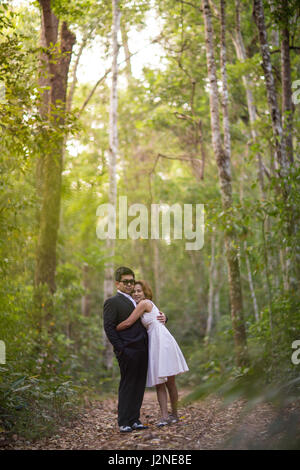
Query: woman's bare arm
(143, 306)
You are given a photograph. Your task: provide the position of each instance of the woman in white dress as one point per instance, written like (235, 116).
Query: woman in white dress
(165, 357)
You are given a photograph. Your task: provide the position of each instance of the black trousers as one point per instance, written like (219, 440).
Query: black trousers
(133, 364)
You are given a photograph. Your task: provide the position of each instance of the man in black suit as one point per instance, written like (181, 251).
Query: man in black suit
(131, 349)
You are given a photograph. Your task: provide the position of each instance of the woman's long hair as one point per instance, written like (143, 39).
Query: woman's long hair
(146, 289)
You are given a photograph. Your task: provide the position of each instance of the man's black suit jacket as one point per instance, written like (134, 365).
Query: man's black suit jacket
(117, 309)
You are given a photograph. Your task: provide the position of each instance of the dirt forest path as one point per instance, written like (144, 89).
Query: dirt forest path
(202, 425)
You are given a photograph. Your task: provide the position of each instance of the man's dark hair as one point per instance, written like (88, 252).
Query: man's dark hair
(121, 271)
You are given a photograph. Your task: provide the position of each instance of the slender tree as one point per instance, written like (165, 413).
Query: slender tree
(219, 279)
(281, 162)
(112, 164)
(85, 299)
(126, 49)
(156, 268)
(238, 42)
(44, 84)
(58, 62)
(223, 163)
(287, 105)
(250, 280)
(212, 278)
(225, 99)
(282, 138)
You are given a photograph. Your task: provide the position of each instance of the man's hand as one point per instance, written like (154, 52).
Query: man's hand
(161, 317)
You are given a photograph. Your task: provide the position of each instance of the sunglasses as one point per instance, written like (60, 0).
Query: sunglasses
(127, 282)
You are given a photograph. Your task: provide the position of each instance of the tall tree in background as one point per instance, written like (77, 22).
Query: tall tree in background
(286, 80)
(280, 148)
(223, 163)
(126, 49)
(239, 45)
(282, 138)
(112, 164)
(44, 84)
(238, 42)
(212, 287)
(58, 59)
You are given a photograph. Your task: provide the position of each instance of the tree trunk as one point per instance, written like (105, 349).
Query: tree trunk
(282, 163)
(225, 99)
(287, 123)
(74, 81)
(223, 163)
(201, 293)
(212, 276)
(274, 30)
(112, 156)
(281, 138)
(287, 105)
(52, 166)
(251, 286)
(219, 280)
(85, 299)
(126, 50)
(238, 42)
(280, 150)
(156, 270)
(267, 270)
(249, 272)
(44, 84)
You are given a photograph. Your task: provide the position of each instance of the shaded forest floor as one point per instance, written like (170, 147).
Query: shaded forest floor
(202, 425)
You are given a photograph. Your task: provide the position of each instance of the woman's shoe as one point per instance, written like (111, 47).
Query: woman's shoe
(173, 419)
(162, 423)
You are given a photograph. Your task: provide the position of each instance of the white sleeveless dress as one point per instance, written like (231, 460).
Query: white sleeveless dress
(165, 356)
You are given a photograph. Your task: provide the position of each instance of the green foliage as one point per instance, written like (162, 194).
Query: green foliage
(40, 401)
(271, 378)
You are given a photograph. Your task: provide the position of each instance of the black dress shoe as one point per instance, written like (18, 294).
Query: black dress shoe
(138, 426)
(125, 428)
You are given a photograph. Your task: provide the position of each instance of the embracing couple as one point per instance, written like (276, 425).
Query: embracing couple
(147, 353)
